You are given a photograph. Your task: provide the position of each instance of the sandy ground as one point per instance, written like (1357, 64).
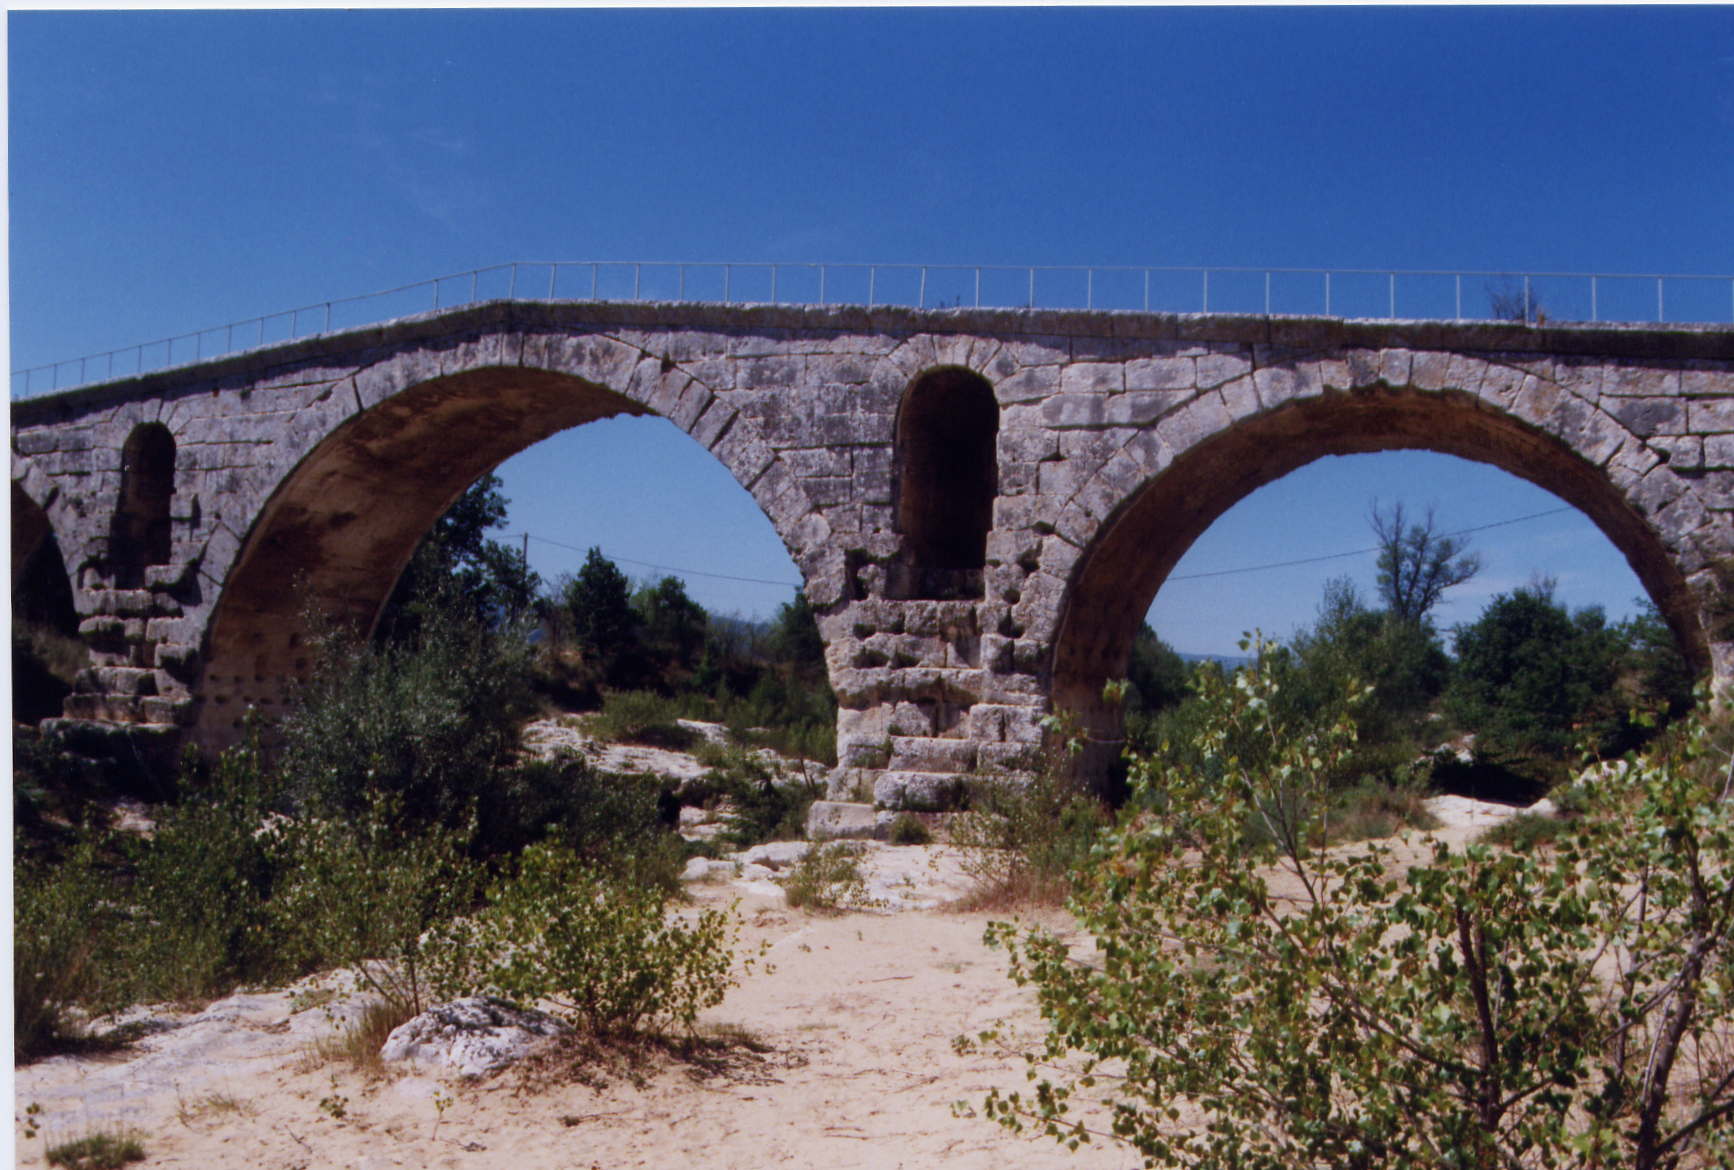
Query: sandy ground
(856, 1014)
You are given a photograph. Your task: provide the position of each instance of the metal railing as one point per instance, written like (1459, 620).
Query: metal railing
(1344, 292)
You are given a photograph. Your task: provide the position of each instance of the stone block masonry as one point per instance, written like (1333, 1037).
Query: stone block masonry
(961, 596)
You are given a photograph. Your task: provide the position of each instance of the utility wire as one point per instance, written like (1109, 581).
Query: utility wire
(1359, 552)
(663, 568)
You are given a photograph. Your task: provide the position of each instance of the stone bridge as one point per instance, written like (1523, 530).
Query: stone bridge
(982, 503)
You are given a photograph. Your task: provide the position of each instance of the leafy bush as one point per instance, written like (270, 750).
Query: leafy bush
(827, 879)
(603, 952)
(1562, 1007)
(65, 921)
(361, 894)
(433, 722)
(200, 923)
(764, 806)
(643, 717)
(908, 829)
(1021, 842)
(98, 1151)
(617, 823)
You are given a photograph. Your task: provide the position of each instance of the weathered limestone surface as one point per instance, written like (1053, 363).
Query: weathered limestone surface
(305, 473)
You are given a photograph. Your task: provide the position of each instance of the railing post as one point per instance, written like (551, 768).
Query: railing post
(1327, 294)
(1526, 301)
(773, 284)
(327, 317)
(436, 298)
(821, 286)
(1032, 286)
(511, 284)
(1089, 288)
(978, 286)
(728, 279)
(1391, 308)
(1457, 278)
(1594, 308)
(475, 274)
(637, 281)
(872, 281)
(1206, 308)
(595, 279)
(1267, 294)
(683, 282)
(1146, 290)
(1660, 314)
(921, 295)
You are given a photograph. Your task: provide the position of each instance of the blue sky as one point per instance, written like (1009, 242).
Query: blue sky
(170, 171)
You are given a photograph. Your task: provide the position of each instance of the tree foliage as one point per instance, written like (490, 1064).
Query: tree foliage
(1261, 1008)
(1417, 563)
(1530, 676)
(456, 564)
(595, 606)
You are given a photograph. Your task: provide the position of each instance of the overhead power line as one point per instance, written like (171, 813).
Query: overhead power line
(1359, 552)
(663, 568)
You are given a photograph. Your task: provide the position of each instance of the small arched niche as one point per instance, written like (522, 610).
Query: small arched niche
(946, 476)
(142, 533)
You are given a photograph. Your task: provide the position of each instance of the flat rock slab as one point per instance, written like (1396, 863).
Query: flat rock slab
(471, 1037)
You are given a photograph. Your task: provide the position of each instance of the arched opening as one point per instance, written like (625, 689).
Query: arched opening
(46, 651)
(142, 533)
(339, 530)
(1137, 548)
(946, 480)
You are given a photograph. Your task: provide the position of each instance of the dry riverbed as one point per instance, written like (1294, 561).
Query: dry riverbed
(842, 1058)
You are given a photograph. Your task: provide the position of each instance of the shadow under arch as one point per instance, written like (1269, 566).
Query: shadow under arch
(42, 600)
(1135, 549)
(339, 529)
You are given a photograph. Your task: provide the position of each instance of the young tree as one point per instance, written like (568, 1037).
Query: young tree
(597, 605)
(1266, 1007)
(1417, 563)
(673, 624)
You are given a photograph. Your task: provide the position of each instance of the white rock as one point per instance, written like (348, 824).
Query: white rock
(704, 869)
(472, 1037)
(773, 854)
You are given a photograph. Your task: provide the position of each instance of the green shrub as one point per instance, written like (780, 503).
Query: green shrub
(361, 894)
(1560, 1007)
(827, 879)
(642, 717)
(65, 924)
(433, 722)
(1020, 841)
(1525, 831)
(200, 922)
(602, 952)
(601, 815)
(98, 1151)
(764, 806)
(908, 829)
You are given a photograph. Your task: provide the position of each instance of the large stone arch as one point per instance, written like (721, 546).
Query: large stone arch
(1196, 472)
(349, 514)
